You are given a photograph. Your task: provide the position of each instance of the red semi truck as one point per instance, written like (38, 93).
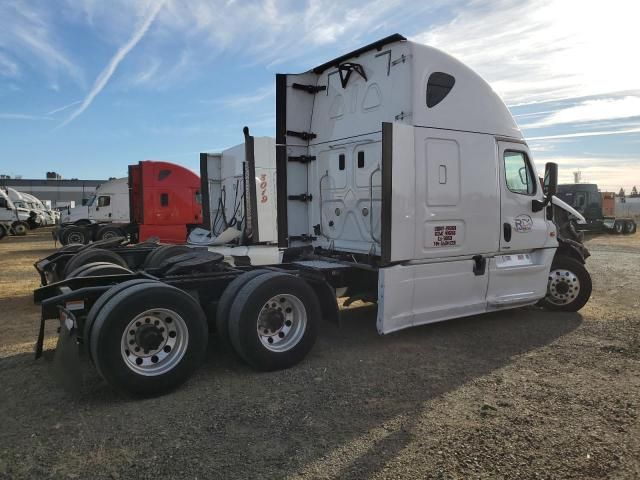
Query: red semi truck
(164, 201)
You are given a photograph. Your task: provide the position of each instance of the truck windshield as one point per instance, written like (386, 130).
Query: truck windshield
(92, 199)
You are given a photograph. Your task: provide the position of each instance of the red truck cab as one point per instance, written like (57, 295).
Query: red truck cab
(165, 200)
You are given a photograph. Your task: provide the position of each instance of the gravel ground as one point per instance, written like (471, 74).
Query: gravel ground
(518, 394)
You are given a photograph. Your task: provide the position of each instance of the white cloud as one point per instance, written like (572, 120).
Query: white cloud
(540, 50)
(592, 110)
(596, 133)
(8, 67)
(111, 67)
(28, 34)
(248, 99)
(610, 173)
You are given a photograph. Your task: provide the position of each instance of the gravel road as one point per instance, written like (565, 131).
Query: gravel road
(518, 394)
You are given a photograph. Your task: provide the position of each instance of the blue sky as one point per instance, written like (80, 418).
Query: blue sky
(88, 87)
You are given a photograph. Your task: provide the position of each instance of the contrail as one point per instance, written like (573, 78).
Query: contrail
(64, 107)
(108, 71)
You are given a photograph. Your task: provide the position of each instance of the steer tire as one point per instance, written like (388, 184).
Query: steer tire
(268, 291)
(74, 235)
(148, 306)
(162, 253)
(98, 268)
(573, 274)
(20, 229)
(226, 300)
(93, 255)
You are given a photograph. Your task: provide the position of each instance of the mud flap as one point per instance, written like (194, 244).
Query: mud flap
(70, 362)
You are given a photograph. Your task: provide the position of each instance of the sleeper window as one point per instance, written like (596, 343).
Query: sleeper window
(361, 159)
(164, 199)
(438, 87)
(518, 173)
(341, 161)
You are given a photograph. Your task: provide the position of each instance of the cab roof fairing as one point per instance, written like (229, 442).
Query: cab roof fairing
(471, 106)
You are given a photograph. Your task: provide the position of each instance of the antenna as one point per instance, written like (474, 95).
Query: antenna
(577, 176)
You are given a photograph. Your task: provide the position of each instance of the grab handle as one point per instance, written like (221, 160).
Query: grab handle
(373, 237)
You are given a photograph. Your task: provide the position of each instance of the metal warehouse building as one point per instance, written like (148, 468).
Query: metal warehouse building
(59, 192)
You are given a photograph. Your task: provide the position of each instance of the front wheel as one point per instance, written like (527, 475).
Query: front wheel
(20, 228)
(569, 286)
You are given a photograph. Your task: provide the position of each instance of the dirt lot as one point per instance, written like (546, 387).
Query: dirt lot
(517, 394)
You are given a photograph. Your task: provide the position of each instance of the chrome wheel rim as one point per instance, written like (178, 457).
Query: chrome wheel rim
(564, 287)
(281, 324)
(154, 342)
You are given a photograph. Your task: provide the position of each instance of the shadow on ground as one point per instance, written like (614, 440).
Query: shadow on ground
(232, 422)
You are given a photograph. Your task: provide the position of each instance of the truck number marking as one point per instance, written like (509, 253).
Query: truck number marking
(263, 189)
(445, 236)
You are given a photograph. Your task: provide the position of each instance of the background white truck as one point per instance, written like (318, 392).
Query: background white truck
(109, 203)
(402, 179)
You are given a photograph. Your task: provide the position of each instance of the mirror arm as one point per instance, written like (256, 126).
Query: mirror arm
(537, 205)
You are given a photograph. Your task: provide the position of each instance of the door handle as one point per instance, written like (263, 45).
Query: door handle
(507, 232)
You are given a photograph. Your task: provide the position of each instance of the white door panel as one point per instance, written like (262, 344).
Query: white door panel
(518, 278)
(522, 228)
(457, 203)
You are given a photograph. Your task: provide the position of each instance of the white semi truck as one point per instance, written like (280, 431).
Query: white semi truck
(109, 203)
(16, 221)
(402, 179)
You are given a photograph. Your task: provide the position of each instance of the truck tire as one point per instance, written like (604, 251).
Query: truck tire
(20, 228)
(82, 223)
(618, 227)
(108, 232)
(102, 300)
(98, 268)
(148, 339)
(93, 255)
(569, 285)
(274, 320)
(160, 254)
(71, 234)
(3, 231)
(630, 227)
(226, 300)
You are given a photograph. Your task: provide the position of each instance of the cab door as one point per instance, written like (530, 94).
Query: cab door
(102, 209)
(518, 273)
(522, 228)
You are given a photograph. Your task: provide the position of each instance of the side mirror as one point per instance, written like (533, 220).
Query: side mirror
(550, 186)
(550, 180)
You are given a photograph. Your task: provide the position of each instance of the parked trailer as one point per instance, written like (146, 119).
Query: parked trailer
(402, 179)
(158, 199)
(597, 207)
